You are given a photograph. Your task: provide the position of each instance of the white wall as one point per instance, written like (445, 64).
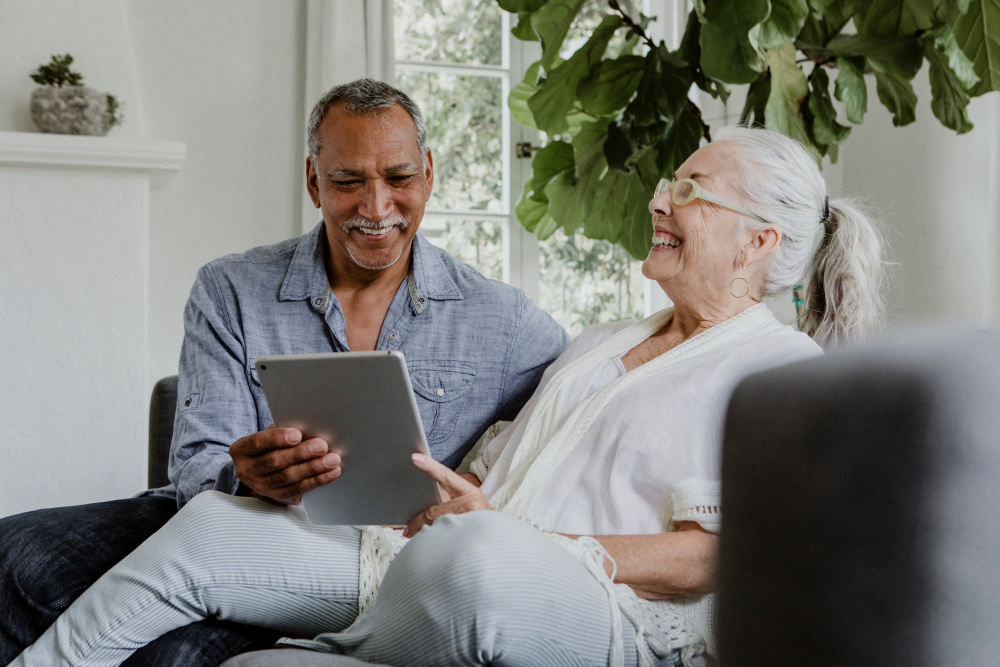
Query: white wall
(938, 193)
(223, 76)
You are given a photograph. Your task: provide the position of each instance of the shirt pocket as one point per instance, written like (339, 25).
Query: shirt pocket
(442, 388)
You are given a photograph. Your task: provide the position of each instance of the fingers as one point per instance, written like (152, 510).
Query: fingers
(292, 493)
(269, 439)
(296, 473)
(426, 518)
(275, 463)
(451, 482)
(469, 502)
(281, 459)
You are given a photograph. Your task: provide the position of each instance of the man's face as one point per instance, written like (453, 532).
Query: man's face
(370, 185)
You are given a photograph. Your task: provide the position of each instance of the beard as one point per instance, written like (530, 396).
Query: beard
(380, 260)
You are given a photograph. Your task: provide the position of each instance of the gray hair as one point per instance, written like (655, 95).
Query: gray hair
(778, 178)
(364, 97)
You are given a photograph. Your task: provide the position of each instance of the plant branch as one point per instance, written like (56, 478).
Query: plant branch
(635, 27)
(705, 130)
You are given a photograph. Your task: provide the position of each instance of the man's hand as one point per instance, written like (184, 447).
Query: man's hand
(460, 492)
(276, 465)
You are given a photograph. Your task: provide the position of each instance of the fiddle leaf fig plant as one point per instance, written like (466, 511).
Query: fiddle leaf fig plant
(617, 111)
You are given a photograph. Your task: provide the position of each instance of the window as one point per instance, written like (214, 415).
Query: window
(456, 59)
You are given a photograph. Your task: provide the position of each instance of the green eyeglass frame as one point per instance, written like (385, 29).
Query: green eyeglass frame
(683, 191)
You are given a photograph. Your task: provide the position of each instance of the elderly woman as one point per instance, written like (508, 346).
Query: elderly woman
(605, 487)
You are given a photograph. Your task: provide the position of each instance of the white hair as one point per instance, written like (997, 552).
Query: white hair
(778, 179)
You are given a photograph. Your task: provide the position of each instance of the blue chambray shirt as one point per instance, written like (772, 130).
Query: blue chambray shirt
(481, 341)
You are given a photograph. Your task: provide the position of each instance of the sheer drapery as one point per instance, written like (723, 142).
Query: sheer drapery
(345, 40)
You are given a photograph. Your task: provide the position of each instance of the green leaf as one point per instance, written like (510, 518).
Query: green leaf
(662, 92)
(566, 206)
(690, 52)
(523, 30)
(895, 17)
(901, 56)
(620, 212)
(958, 62)
(550, 105)
(617, 148)
(898, 97)
(784, 24)
(978, 33)
(552, 22)
(530, 211)
(826, 20)
(727, 53)
(851, 89)
(517, 101)
(610, 85)
(515, 6)
(826, 130)
(788, 91)
(949, 100)
(757, 96)
(681, 140)
(554, 158)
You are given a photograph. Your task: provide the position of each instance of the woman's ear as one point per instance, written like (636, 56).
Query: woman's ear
(761, 244)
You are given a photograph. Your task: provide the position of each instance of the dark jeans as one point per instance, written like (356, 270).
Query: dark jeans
(49, 557)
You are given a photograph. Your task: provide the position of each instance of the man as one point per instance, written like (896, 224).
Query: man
(361, 280)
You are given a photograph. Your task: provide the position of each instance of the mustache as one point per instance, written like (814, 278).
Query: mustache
(359, 221)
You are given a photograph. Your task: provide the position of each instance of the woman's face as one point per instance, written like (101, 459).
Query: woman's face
(695, 248)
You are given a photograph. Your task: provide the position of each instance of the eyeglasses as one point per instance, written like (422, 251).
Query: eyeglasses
(685, 190)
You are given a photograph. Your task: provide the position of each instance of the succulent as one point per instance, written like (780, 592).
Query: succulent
(63, 105)
(57, 73)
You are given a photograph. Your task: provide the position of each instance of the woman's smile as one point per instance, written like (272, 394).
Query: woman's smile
(663, 239)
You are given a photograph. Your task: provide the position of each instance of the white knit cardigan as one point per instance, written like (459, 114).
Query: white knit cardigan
(635, 453)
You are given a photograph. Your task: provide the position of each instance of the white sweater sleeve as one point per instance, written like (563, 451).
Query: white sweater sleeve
(489, 448)
(698, 500)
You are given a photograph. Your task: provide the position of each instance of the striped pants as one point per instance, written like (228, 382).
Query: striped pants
(474, 589)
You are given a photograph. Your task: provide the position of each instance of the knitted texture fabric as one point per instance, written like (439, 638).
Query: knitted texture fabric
(379, 545)
(700, 501)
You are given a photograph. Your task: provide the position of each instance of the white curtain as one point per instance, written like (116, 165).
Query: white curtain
(345, 40)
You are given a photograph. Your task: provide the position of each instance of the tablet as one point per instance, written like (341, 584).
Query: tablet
(361, 403)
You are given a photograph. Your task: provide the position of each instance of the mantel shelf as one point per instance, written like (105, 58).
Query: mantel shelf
(160, 159)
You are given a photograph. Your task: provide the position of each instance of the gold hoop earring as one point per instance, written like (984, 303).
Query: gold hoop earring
(746, 284)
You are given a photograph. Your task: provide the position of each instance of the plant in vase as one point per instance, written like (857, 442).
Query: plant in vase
(63, 105)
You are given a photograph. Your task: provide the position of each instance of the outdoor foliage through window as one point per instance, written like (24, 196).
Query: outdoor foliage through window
(583, 281)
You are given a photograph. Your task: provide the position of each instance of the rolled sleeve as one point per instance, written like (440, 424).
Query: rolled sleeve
(215, 403)
(698, 500)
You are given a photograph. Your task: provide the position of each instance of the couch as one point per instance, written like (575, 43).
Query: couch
(862, 522)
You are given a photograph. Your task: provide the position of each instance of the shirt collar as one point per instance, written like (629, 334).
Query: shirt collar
(306, 277)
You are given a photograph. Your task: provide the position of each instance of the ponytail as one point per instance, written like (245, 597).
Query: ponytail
(845, 294)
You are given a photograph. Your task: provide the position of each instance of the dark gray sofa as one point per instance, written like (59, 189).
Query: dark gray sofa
(862, 522)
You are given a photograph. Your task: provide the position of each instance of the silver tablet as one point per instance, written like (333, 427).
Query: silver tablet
(362, 403)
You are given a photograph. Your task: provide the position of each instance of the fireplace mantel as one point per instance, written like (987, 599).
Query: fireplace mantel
(160, 159)
(74, 290)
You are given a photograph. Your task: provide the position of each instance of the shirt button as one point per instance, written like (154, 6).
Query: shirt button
(318, 302)
(187, 402)
(393, 336)
(440, 392)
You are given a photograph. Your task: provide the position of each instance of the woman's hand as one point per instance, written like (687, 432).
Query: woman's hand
(460, 493)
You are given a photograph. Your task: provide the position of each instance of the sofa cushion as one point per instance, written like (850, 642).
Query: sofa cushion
(862, 512)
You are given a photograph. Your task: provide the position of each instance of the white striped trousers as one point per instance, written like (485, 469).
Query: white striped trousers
(473, 589)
